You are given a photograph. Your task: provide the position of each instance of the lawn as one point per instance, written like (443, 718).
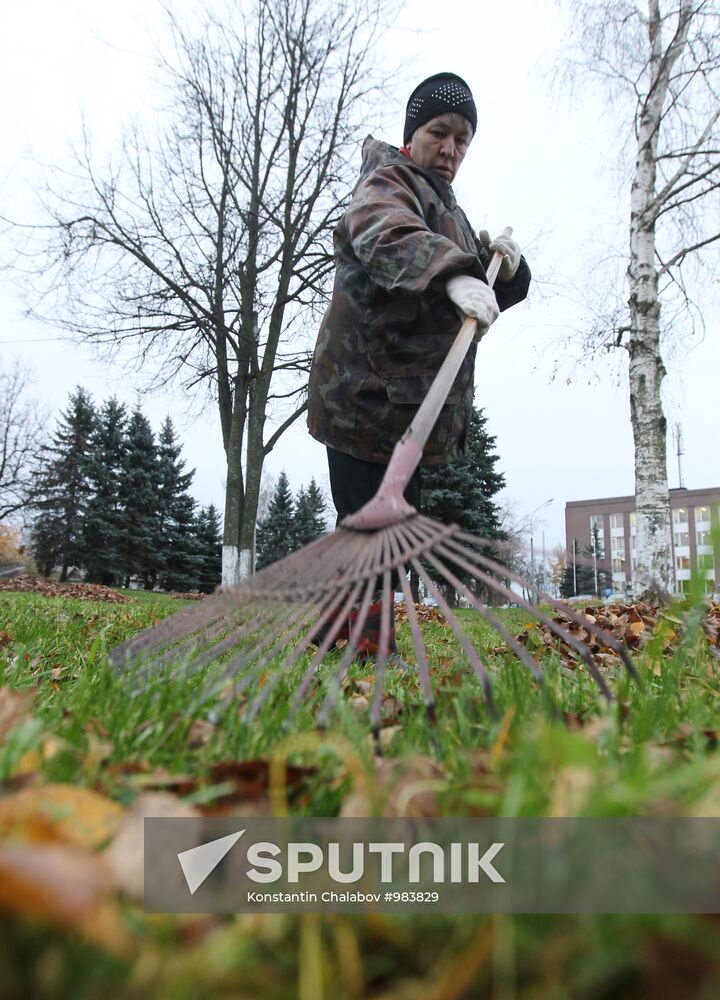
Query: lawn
(82, 748)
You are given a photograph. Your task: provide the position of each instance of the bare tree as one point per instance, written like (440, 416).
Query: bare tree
(662, 57)
(557, 563)
(21, 437)
(207, 249)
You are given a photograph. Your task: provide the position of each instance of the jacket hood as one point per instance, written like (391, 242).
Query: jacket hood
(377, 154)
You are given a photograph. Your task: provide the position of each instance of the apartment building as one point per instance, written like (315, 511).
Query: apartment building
(613, 521)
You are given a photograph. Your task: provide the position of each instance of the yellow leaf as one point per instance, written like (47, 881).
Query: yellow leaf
(32, 760)
(59, 814)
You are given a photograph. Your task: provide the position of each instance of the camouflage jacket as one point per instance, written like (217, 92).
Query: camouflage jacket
(390, 323)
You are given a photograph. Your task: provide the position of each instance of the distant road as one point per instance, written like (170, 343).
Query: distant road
(11, 570)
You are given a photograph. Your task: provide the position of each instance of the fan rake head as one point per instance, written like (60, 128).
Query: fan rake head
(260, 629)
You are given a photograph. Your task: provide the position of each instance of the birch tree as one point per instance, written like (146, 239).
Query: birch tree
(205, 249)
(662, 58)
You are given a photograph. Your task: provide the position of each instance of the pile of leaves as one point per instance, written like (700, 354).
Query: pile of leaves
(424, 614)
(711, 625)
(630, 624)
(52, 588)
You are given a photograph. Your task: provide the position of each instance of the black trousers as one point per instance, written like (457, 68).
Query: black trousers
(353, 482)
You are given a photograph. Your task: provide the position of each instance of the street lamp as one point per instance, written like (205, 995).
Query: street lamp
(532, 548)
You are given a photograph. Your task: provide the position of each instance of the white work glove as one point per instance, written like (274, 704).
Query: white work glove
(473, 298)
(508, 247)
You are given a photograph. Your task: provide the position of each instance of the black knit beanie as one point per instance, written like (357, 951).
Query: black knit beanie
(435, 96)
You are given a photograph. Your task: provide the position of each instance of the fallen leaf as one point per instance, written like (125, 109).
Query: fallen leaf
(32, 760)
(63, 887)
(201, 732)
(402, 787)
(250, 780)
(59, 813)
(14, 706)
(359, 704)
(125, 855)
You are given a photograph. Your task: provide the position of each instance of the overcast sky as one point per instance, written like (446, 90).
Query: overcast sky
(542, 162)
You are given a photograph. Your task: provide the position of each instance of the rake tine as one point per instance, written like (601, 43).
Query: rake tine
(298, 620)
(567, 637)
(156, 661)
(519, 650)
(245, 658)
(421, 664)
(323, 649)
(159, 634)
(419, 646)
(492, 620)
(375, 708)
(465, 643)
(335, 685)
(594, 629)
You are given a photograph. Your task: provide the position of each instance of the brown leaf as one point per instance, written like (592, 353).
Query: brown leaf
(139, 777)
(125, 855)
(403, 787)
(14, 706)
(251, 778)
(64, 887)
(59, 814)
(359, 704)
(202, 731)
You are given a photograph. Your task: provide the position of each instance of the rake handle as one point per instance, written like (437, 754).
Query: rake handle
(429, 410)
(388, 506)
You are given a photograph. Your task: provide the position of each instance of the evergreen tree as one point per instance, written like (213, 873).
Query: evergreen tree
(310, 510)
(276, 534)
(208, 546)
(57, 538)
(179, 558)
(140, 551)
(105, 525)
(462, 492)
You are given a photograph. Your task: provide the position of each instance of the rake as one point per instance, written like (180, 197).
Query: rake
(295, 609)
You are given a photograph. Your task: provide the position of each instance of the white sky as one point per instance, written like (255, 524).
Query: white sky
(542, 163)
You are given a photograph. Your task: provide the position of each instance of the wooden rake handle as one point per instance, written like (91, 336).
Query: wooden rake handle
(388, 506)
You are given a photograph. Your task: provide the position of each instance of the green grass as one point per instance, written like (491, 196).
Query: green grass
(555, 749)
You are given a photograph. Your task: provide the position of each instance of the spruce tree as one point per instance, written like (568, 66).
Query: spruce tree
(310, 510)
(57, 538)
(462, 492)
(208, 546)
(276, 534)
(176, 521)
(140, 550)
(104, 529)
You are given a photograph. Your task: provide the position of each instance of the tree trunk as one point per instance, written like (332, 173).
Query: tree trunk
(646, 369)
